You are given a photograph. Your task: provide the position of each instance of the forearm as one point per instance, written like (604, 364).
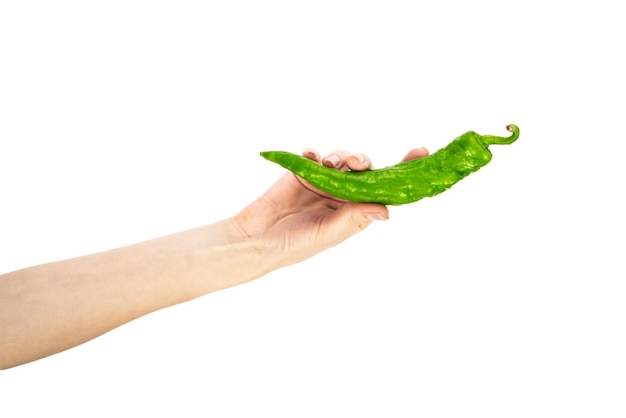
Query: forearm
(52, 307)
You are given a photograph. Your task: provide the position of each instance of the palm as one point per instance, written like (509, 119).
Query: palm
(300, 219)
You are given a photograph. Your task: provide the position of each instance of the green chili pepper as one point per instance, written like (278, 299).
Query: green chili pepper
(402, 183)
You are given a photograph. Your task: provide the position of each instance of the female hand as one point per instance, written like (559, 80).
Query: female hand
(293, 221)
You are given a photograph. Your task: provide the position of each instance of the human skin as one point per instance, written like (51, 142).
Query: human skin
(49, 308)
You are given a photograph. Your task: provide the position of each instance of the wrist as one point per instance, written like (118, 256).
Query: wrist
(235, 253)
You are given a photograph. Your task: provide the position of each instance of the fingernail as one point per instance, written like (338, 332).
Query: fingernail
(332, 161)
(360, 157)
(375, 216)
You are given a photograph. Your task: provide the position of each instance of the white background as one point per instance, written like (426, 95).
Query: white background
(121, 121)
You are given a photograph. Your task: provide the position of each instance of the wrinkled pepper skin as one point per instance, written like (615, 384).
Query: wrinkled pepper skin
(403, 183)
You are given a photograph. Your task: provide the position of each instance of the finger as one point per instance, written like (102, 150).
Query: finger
(336, 159)
(312, 154)
(355, 217)
(359, 162)
(416, 153)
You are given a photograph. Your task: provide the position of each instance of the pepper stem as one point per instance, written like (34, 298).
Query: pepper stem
(491, 139)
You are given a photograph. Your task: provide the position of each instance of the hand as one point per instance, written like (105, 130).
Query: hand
(293, 221)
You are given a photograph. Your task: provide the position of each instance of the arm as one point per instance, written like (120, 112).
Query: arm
(52, 307)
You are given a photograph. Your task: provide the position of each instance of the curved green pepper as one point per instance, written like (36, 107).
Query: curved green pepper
(402, 183)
